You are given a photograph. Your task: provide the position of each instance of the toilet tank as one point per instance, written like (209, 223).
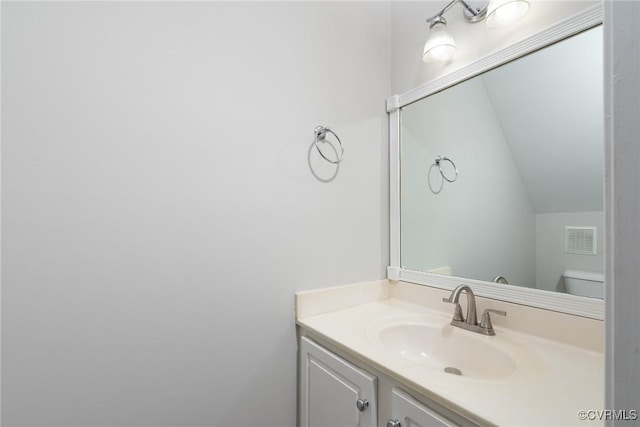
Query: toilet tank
(584, 283)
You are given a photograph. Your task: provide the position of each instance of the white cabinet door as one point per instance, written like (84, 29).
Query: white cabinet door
(334, 393)
(408, 412)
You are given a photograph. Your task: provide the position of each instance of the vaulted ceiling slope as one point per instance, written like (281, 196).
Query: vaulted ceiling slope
(550, 107)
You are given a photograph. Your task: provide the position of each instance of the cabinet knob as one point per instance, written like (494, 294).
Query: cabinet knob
(362, 404)
(393, 423)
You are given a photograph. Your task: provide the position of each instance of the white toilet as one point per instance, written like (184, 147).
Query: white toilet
(584, 283)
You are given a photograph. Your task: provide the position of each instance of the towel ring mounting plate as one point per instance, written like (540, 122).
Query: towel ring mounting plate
(320, 134)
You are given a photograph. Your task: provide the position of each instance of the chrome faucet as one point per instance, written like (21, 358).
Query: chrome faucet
(471, 322)
(454, 298)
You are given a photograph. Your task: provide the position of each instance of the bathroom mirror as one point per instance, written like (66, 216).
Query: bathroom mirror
(501, 176)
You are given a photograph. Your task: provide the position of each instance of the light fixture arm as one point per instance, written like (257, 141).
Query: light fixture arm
(435, 18)
(474, 11)
(479, 11)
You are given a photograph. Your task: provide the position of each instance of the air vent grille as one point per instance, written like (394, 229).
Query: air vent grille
(580, 240)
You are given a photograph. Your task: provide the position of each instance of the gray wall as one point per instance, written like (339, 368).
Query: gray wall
(159, 210)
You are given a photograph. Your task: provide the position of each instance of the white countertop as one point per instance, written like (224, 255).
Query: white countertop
(553, 381)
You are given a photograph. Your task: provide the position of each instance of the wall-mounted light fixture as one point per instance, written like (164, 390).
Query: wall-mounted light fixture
(441, 46)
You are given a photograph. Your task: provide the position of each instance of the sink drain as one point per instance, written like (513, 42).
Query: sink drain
(452, 370)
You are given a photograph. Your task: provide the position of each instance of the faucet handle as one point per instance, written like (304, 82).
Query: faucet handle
(457, 313)
(485, 323)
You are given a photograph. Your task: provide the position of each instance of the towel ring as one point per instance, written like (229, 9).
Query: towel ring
(446, 159)
(433, 190)
(320, 133)
(438, 163)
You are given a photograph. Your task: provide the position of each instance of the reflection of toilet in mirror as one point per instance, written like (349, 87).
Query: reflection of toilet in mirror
(584, 283)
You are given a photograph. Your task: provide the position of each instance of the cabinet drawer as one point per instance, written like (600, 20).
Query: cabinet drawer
(408, 412)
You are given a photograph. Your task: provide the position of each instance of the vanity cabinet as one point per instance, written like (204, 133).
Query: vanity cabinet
(408, 412)
(337, 392)
(333, 392)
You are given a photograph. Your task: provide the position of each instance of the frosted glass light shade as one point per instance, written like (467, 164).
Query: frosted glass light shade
(501, 13)
(440, 46)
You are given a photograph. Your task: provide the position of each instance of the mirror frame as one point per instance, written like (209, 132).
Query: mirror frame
(560, 302)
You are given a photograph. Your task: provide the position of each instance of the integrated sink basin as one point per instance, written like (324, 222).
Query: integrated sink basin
(442, 347)
(434, 344)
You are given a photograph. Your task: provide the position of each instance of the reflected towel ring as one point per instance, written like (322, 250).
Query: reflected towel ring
(320, 133)
(438, 163)
(446, 159)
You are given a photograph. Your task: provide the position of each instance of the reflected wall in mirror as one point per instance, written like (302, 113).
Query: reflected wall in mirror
(527, 139)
